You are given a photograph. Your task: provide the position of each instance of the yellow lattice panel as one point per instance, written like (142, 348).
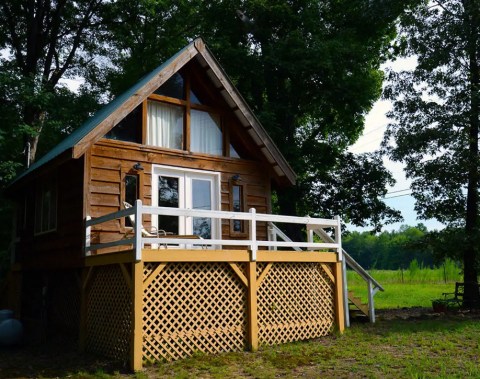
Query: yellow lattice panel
(191, 307)
(295, 302)
(109, 313)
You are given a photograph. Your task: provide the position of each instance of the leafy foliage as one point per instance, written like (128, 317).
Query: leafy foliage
(391, 250)
(309, 70)
(436, 116)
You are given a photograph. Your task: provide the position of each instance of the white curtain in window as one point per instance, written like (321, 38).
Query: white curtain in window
(205, 133)
(164, 125)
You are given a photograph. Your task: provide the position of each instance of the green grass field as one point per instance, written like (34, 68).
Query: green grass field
(415, 287)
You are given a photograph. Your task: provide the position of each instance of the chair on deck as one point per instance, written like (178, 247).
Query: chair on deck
(153, 232)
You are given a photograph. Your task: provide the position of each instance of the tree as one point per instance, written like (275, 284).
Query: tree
(312, 74)
(310, 71)
(46, 41)
(390, 250)
(41, 43)
(437, 116)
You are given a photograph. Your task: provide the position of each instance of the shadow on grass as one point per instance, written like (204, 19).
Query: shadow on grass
(413, 320)
(55, 359)
(399, 327)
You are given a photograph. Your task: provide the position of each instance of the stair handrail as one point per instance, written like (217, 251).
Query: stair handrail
(372, 284)
(350, 261)
(277, 232)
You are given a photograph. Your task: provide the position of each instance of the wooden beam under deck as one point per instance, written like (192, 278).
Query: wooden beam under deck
(207, 255)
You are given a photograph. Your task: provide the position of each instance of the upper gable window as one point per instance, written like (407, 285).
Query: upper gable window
(173, 87)
(129, 129)
(165, 125)
(171, 116)
(184, 113)
(205, 133)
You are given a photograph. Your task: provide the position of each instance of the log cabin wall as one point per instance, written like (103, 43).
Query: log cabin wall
(111, 160)
(63, 246)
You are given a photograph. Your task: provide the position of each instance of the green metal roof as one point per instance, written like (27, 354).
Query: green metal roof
(78, 134)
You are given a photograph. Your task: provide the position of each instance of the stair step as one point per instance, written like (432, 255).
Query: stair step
(357, 302)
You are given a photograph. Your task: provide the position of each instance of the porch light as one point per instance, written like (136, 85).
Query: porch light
(236, 178)
(138, 166)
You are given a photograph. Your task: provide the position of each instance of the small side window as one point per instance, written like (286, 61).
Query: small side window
(21, 217)
(131, 192)
(237, 205)
(46, 206)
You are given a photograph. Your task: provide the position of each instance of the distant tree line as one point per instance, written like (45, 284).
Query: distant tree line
(391, 250)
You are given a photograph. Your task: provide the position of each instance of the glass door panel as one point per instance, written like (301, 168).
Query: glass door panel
(168, 196)
(202, 199)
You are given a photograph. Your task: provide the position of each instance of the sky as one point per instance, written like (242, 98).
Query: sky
(398, 196)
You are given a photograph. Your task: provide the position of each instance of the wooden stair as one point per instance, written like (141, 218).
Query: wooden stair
(357, 302)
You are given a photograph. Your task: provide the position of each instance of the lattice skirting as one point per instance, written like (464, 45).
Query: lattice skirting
(189, 307)
(192, 307)
(295, 302)
(108, 313)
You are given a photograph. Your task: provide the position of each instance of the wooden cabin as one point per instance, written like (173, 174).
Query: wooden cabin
(185, 150)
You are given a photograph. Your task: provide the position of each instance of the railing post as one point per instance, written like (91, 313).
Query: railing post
(253, 233)
(371, 304)
(88, 237)
(138, 230)
(310, 236)
(272, 236)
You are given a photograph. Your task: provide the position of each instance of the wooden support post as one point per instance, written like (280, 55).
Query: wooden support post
(252, 333)
(339, 305)
(82, 339)
(136, 345)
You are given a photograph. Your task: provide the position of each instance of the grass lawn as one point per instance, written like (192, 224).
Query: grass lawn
(445, 347)
(431, 346)
(409, 295)
(403, 290)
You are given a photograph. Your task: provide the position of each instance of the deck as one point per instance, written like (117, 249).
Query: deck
(161, 304)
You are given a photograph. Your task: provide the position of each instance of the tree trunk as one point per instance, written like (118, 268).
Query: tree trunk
(472, 296)
(287, 202)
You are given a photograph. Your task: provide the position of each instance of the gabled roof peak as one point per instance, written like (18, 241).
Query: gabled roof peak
(112, 113)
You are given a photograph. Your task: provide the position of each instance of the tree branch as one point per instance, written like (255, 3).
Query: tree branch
(53, 36)
(76, 43)
(16, 43)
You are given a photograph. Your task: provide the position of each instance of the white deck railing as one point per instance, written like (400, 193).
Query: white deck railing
(252, 243)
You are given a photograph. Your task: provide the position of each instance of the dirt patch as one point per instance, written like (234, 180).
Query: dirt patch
(424, 313)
